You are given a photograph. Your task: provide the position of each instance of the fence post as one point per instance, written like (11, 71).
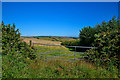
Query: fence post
(30, 43)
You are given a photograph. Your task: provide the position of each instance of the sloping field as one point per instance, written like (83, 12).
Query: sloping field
(61, 39)
(52, 51)
(34, 40)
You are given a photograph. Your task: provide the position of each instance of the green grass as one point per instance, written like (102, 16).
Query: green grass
(55, 38)
(15, 67)
(39, 68)
(61, 69)
(47, 51)
(0, 60)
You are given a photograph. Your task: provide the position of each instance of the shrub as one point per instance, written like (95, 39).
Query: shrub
(87, 33)
(71, 43)
(108, 43)
(87, 36)
(108, 46)
(38, 38)
(14, 52)
(11, 42)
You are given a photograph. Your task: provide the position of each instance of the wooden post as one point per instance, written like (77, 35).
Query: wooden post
(30, 43)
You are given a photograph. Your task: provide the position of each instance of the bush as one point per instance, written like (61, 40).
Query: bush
(11, 42)
(87, 36)
(87, 33)
(108, 43)
(71, 43)
(14, 52)
(38, 38)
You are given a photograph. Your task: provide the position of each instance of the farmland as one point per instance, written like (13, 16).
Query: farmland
(60, 68)
(47, 39)
(52, 50)
(21, 59)
(40, 68)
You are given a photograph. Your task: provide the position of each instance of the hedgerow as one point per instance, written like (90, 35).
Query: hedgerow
(87, 36)
(108, 43)
(105, 36)
(15, 52)
(11, 42)
(71, 43)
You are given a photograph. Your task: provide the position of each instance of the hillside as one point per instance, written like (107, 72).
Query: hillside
(47, 39)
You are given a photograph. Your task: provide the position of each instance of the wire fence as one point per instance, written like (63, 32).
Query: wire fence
(59, 55)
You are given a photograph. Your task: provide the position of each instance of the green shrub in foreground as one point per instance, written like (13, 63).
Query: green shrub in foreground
(14, 52)
(12, 43)
(108, 49)
(107, 39)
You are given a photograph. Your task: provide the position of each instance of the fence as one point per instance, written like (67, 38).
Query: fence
(59, 52)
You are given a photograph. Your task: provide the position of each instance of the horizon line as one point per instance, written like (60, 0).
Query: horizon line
(47, 36)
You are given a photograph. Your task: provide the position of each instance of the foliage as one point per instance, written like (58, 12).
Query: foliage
(40, 68)
(62, 69)
(108, 43)
(14, 51)
(19, 60)
(71, 43)
(87, 33)
(12, 43)
(87, 36)
(0, 39)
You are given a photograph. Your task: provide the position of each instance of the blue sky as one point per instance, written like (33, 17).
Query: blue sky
(56, 18)
(60, 0)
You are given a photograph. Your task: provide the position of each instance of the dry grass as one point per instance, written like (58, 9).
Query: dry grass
(34, 40)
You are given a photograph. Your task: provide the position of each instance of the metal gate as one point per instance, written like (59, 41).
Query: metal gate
(49, 54)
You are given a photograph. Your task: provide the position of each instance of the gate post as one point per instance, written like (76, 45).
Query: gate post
(30, 43)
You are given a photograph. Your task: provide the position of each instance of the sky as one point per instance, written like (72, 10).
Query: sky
(60, 0)
(56, 18)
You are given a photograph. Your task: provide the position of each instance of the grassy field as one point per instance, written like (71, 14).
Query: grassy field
(48, 39)
(62, 69)
(35, 40)
(56, 38)
(56, 52)
(40, 68)
(53, 50)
